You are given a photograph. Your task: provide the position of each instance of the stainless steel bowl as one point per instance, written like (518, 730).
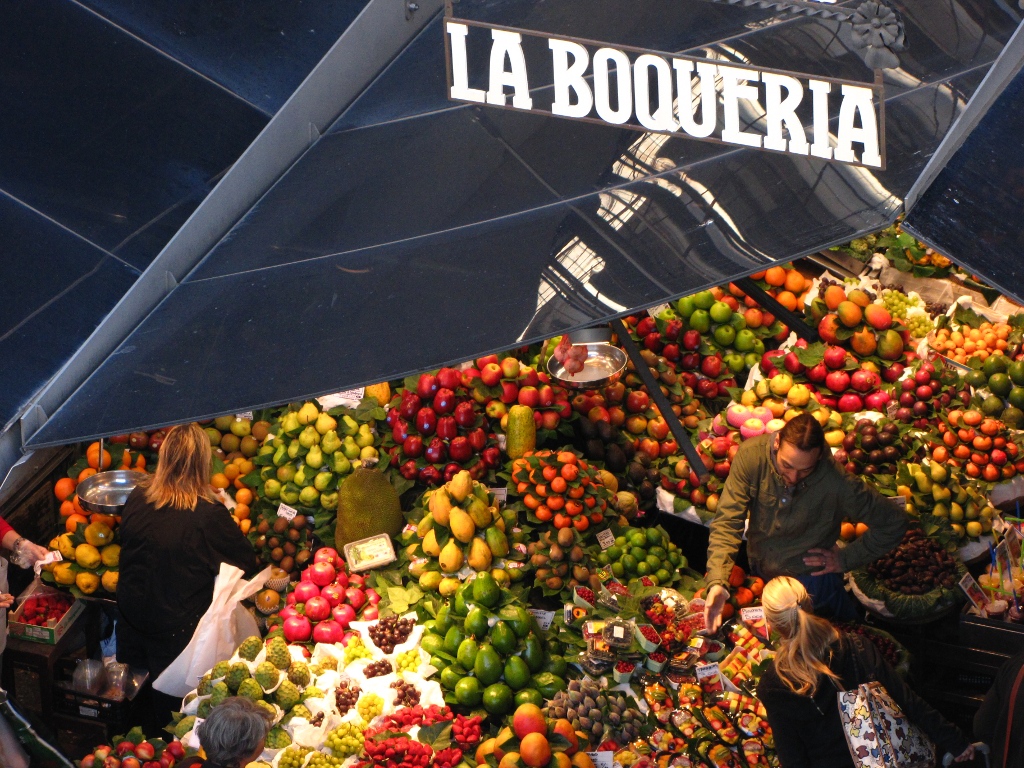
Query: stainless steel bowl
(603, 366)
(106, 492)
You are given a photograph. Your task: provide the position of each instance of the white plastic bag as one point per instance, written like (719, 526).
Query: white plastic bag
(220, 631)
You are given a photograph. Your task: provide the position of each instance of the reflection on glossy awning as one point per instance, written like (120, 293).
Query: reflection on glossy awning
(417, 231)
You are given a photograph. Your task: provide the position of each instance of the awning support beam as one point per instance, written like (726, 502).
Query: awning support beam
(792, 320)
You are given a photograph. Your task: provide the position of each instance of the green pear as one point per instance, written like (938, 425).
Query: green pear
(939, 472)
(364, 437)
(290, 493)
(940, 510)
(309, 496)
(325, 423)
(329, 500)
(368, 452)
(330, 442)
(962, 496)
(972, 510)
(281, 456)
(266, 450)
(290, 423)
(941, 493)
(956, 512)
(340, 463)
(303, 476)
(315, 457)
(350, 448)
(924, 483)
(323, 481)
(309, 437)
(308, 414)
(294, 449)
(349, 425)
(272, 489)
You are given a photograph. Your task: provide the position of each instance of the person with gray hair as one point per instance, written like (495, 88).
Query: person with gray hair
(232, 736)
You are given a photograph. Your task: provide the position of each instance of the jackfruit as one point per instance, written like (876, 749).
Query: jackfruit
(278, 655)
(368, 504)
(298, 673)
(251, 690)
(250, 648)
(236, 674)
(287, 695)
(267, 675)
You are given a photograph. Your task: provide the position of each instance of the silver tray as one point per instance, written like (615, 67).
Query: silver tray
(603, 366)
(106, 492)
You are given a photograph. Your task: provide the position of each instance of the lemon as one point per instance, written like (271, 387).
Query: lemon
(87, 556)
(87, 582)
(98, 534)
(63, 574)
(109, 581)
(111, 555)
(66, 546)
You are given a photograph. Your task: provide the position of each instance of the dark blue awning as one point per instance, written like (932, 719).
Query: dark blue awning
(415, 231)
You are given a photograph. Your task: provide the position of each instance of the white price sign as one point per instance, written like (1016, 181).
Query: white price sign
(544, 618)
(605, 538)
(500, 495)
(601, 759)
(350, 397)
(244, 415)
(287, 512)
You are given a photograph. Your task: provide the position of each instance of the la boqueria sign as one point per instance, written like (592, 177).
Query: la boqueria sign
(697, 98)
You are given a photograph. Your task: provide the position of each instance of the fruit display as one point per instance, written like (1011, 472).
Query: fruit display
(501, 384)
(915, 582)
(965, 344)
(924, 390)
(437, 429)
(598, 713)
(90, 559)
(837, 380)
(904, 252)
(560, 489)
(134, 750)
(982, 446)
(368, 505)
(890, 648)
(459, 525)
(875, 447)
(561, 562)
(42, 609)
(640, 552)
(490, 663)
(943, 491)
(911, 310)
(853, 319)
(999, 385)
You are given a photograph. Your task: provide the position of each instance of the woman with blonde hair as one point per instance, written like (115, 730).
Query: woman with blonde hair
(174, 537)
(815, 661)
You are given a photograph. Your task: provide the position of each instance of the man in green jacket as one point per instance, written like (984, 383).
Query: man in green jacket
(796, 498)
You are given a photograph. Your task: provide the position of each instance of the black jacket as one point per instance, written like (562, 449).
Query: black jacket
(808, 731)
(170, 559)
(990, 721)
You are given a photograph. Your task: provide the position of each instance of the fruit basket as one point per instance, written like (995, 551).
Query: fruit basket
(892, 650)
(906, 609)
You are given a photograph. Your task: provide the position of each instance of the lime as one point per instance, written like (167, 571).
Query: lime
(628, 562)
(1016, 372)
(638, 553)
(664, 577)
(658, 552)
(603, 559)
(620, 541)
(976, 379)
(451, 675)
(1016, 397)
(995, 364)
(1014, 417)
(498, 699)
(992, 405)
(654, 537)
(432, 643)
(654, 578)
(614, 552)
(516, 673)
(438, 663)
(999, 383)
(529, 696)
(637, 539)
(704, 300)
(720, 312)
(673, 557)
(643, 568)
(467, 691)
(618, 569)
(653, 561)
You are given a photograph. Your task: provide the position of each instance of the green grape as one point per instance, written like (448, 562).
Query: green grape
(346, 739)
(370, 706)
(293, 756)
(409, 661)
(356, 650)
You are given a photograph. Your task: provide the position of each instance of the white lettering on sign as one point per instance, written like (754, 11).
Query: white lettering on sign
(662, 92)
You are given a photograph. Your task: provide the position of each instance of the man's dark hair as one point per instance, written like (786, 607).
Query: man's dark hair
(803, 432)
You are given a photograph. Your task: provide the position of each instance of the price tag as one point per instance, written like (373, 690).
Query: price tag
(410, 528)
(500, 495)
(51, 557)
(544, 618)
(899, 502)
(520, 548)
(998, 524)
(1013, 543)
(371, 552)
(502, 441)
(601, 759)
(891, 407)
(606, 538)
(287, 512)
(655, 311)
(752, 614)
(244, 415)
(350, 398)
(974, 591)
(709, 677)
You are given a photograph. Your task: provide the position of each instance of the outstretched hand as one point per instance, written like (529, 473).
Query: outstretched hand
(825, 560)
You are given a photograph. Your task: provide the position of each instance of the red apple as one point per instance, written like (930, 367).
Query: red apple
(529, 395)
(427, 386)
(490, 374)
(637, 401)
(528, 376)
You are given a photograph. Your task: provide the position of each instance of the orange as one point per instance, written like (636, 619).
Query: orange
(219, 481)
(737, 577)
(775, 276)
(744, 597)
(570, 472)
(242, 511)
(558, 485)
(757, 276)
(555, 503)
(728, 611)
(550, 473)
(847, 531)
(786, 299)
(794, 281)
(244, 496)
(93, 457)
(87, 472)
(107, 520)
(71, 524)
(567, 457)
(861, 529)
(64, 487)
(79, 509)
(67, 508)
(543, 513)
(231, 471)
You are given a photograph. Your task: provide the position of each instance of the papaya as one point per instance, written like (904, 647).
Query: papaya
(521, 431)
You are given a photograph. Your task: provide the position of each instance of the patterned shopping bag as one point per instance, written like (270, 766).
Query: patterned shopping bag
(879, 734)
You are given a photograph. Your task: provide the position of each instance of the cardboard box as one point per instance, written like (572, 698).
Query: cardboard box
(46, 635)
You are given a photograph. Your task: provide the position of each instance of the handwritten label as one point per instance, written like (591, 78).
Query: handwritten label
(655, 311)
(606, 538)
(601, 759)
(244, 415)
(350, 397)
(709, 677)
(752, 615)
(500, 495)
(544, 618)
(1013, 543)
(287, 512)
(1003, 558)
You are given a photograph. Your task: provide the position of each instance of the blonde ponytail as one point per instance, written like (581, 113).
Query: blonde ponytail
(806, 638)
